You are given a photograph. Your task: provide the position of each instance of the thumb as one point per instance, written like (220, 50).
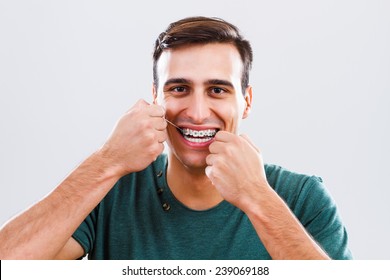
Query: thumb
(141, 103)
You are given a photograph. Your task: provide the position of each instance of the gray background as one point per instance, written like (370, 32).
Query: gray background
(69, 69)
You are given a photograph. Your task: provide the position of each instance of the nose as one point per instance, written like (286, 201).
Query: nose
(198, 109)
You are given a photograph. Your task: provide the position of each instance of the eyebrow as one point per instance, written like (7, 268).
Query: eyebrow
(176, 81)
(220, 83)
(208, 82)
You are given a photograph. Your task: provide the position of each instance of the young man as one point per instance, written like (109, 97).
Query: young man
(210, 197)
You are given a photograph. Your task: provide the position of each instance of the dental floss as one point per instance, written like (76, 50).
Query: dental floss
(173, 124)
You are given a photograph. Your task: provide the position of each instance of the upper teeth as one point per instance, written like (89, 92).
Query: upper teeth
(199, 133)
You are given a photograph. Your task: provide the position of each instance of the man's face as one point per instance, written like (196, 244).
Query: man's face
(200, 88)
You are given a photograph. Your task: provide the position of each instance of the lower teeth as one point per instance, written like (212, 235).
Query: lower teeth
(198, 140)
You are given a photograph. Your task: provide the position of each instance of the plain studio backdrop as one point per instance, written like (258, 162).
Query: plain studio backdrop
(321, 78)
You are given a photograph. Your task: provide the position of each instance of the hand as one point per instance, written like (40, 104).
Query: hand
(137, 139)
(235, 168)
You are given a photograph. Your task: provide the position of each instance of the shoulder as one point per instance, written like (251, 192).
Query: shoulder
(282, 179)
(297, 189)
(312, 204)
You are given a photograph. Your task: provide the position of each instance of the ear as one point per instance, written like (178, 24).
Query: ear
(154, 93)
(248, 102)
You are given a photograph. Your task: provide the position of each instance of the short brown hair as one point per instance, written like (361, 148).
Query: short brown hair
(203, 30)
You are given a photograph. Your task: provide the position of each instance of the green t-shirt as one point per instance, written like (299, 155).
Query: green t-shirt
(141, 219)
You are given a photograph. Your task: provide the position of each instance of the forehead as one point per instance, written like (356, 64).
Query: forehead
(201, 62)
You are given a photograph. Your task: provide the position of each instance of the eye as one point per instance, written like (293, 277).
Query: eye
(178, 89)
(217, 91)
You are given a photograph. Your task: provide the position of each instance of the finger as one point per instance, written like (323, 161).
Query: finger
(140, 103)
(224, 136)
(210, 159)
(159, 123)
(216, 147)
(161, 136)
(156, 111)
(208, 171)
(160, 149)
(246, 137)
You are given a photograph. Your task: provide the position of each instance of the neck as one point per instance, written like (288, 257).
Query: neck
(191, 186)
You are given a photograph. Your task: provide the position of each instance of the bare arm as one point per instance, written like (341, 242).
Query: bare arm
(44, 231)
(41, 231)
(280, 231)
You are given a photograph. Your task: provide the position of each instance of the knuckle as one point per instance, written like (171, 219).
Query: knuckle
(156, 149)
(218, 163)
(236, 140)
(227, 150)
(161, 123)
(148, 136)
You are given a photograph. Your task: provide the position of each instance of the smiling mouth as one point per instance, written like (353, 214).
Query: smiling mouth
(198, 136)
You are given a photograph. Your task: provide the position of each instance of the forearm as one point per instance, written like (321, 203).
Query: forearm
(280, 231)
(41, 231)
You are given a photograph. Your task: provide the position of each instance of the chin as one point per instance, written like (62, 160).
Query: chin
(192, 160)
